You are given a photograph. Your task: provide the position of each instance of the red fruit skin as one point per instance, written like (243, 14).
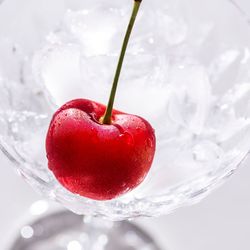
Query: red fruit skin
(95, 160)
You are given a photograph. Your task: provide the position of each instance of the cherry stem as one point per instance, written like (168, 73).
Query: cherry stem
(108, 113)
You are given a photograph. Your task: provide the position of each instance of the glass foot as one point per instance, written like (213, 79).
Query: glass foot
(64, 230)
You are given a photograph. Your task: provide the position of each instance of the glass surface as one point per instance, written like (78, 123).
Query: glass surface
(63, 230)
(187, 72)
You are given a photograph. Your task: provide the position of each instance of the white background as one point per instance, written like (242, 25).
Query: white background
(220, 222)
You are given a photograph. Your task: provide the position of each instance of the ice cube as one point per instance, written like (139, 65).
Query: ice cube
(96, 37)
(190, 103)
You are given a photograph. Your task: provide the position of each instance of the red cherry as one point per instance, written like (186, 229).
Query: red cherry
(96, 160)
(98, 152)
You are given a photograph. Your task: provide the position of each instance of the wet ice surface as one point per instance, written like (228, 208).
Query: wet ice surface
(190, 83)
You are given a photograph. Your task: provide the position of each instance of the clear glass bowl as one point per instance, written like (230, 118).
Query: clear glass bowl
(187, 71)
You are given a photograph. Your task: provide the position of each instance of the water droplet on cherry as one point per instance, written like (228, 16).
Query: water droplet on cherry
(149, 158)
(149, 143)
(127, 138)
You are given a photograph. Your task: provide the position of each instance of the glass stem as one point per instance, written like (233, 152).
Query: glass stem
(106, 119)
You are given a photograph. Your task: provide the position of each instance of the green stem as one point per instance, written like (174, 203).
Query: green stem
(108, 113)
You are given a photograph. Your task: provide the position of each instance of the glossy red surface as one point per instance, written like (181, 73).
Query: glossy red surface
(94, 160)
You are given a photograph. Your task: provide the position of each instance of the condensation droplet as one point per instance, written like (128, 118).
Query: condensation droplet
(149, 143)
(27, 232)
(127, 138)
